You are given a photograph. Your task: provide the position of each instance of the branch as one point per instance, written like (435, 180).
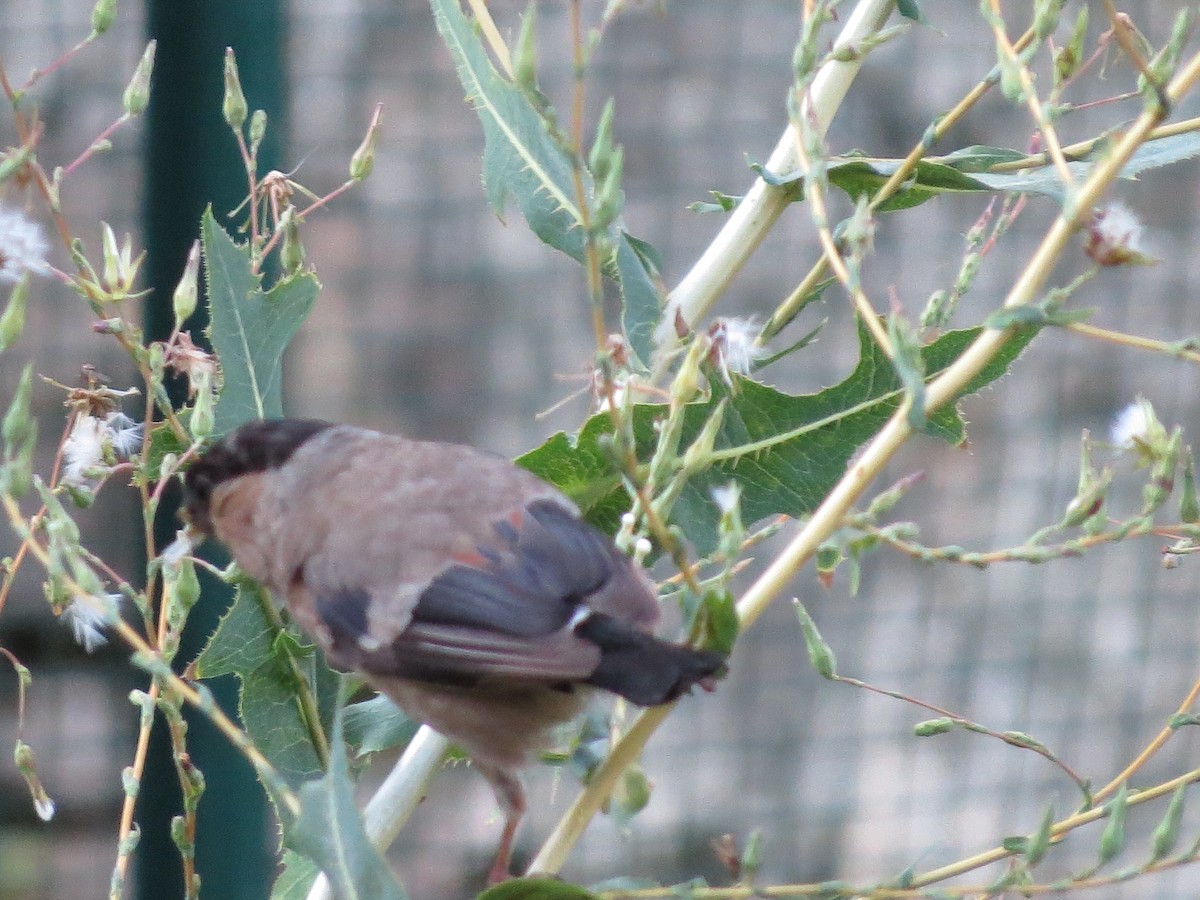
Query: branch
(754, 216)
(829, 515)
(390, 807)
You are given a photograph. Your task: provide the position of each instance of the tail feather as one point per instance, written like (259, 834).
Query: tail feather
(640, 667)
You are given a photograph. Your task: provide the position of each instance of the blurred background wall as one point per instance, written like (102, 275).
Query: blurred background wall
(440, 321)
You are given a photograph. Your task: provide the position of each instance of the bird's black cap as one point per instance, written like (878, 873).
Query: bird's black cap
(254, 447)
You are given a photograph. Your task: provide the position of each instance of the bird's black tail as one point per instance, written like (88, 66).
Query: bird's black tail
(640, 667)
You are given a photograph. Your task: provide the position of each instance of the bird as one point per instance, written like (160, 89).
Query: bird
(463, 587)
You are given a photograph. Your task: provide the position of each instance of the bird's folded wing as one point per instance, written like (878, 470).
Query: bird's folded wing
(531, 579)
(506, 610)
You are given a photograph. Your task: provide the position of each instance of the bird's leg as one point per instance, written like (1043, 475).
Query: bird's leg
(510, 794)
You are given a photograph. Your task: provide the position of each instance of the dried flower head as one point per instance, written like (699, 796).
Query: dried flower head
(617, 349)
(89, 616)
(195, 364)
(1138, 428)
(1129, 426)
(726, 496)
(94, 397)
(1114, 237)
(22, 246)
(735, 347)
(624, 387)
(96, 443)
(179, 548)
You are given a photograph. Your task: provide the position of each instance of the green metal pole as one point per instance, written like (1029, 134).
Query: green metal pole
(191, 161)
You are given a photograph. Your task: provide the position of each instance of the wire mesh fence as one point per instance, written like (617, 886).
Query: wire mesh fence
(438, 320)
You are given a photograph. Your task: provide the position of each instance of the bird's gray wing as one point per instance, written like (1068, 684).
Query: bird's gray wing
(508, 609)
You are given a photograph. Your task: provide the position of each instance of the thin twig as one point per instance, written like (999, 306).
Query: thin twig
(755, 215)
(149, 657)
(1029, 94)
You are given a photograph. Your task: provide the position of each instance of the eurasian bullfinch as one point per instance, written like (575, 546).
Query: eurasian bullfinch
(463, 587)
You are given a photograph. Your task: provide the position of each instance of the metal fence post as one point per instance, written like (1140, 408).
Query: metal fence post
(191, 161)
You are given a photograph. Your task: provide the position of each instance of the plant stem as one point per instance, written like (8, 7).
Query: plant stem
(198, 698)
(391, 805)
(750, 221)
(1153, 747)
(945, 388)
(1182, 349)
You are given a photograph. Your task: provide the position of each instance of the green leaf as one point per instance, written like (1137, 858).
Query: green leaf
(249, 329)
(968, 171)
(1039, 315)
(377, 724)
(629, 796)
(163, 440)
(19, 430)
(520, 157)
(642, 300)
(536, 889)
(330, 832)
(785, 451)
(524, 160)
(296, 878)
(580, 469)
(979, 158)
(1045, 180)
(929, 180)
(246, 645)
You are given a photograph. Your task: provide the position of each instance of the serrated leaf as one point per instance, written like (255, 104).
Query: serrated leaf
(296, 877)
(785, 451)
(520, 158)
(329, 831)
(523, 160)
(536, 889)
(245, 645)
(249, 329)
(377, 724)
(242, 641)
